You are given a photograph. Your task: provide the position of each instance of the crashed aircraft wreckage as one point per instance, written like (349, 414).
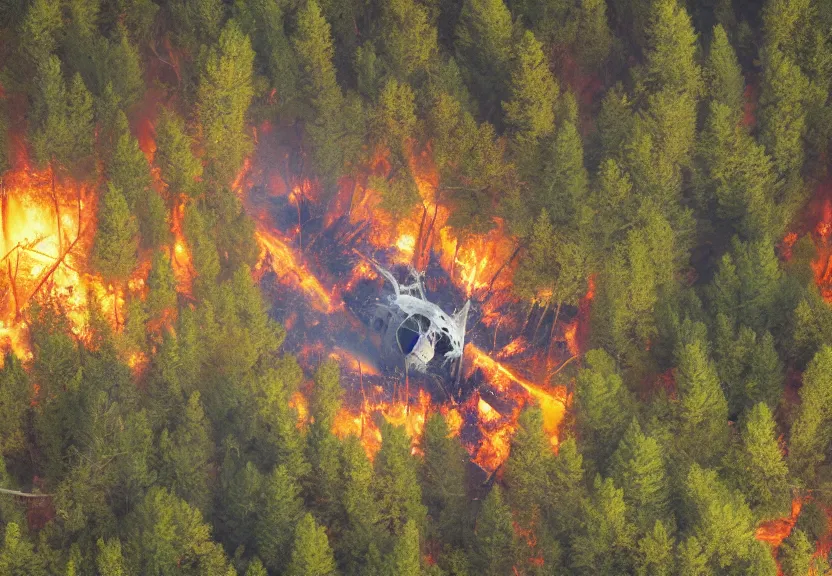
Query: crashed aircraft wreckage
(416, 329)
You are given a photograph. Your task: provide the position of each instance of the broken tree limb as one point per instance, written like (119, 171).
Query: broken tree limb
(23, 494)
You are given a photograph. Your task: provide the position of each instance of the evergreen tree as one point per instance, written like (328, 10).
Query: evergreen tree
(361, 510)
(702, 409)
(115, 245)
(186, 455)
(109, 559)
(314, 51)
(811, 433)
(483, 49)
(530, 109)
(637, 467)
(671, 54)
(605, 539)
(275, 525)
(601, 406)
(169, 537)
(17, 556)
(408, 40)
(565, 181)
(494, 547)
(404, 560)
(15, 394)
(763, 476)
(224, 94)
(527, 469)
(161, 285)
(720, 520)
(656, 553)
(796, 554)
(129, 171)
(592, 23)
(443, 478)
(179, 168)
(311, 554)
(723, 74)
(39, 32)
(396, 481)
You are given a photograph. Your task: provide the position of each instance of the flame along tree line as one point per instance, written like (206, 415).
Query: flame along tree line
(200, 469)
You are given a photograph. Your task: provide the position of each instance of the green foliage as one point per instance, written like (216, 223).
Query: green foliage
(671, 54)
(762, 473)
(223, 97)
(109, 559)
(602, 406)
(637, 466)
(443, 477)
(114, 249)
(702, 410)
(723, 74)
(404, 559)
(161, 285)
(396, 483)
(179, 167)
(720, 520)
(811, 433)
(15, 393)
(186, 455)
(169, 537)
(494, 548)
(604, 538)
(530, 109)
(655, 552)
(796, 554)
(17, 556)
(275, 525)
(311, 554)
(408, 40)
(483, 49)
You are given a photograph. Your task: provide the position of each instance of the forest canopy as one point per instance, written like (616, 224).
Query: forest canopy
(659, 169)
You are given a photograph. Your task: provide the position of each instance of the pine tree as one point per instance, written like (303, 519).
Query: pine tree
(604, 539)
(783, 113)
(161, 285)
(396, 481)
(169, 537)
(275, 525)
(494, 547)
(720, 519)
(637, 467)
(656, 553)
(39, 32)
(109, 559)
(702, 409)
(723, 74)
(811, 433)
(671, 55)
(17, 556)
(224, 94)
(15, 394)
(186, 455)
(763, 475)
(443, 478)
(115, 245)
(404, 559)
(312, 42)
(530, 109)
(129, 171)
(592, 23)
(408, 40)
(179, 168)
(311, 554)
(527, 469)
(204, 255)
(483, 49)
(565, 181)
(796, 554)
(361, 510)
(601, 406)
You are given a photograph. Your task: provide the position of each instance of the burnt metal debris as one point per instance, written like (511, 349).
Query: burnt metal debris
(416, 329)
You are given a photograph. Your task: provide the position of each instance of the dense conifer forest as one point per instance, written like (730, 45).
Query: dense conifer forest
(659, 167)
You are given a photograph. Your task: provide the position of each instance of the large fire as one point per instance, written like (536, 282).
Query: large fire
(467, 266)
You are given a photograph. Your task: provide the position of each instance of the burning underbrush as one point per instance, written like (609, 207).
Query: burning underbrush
(318, 268)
